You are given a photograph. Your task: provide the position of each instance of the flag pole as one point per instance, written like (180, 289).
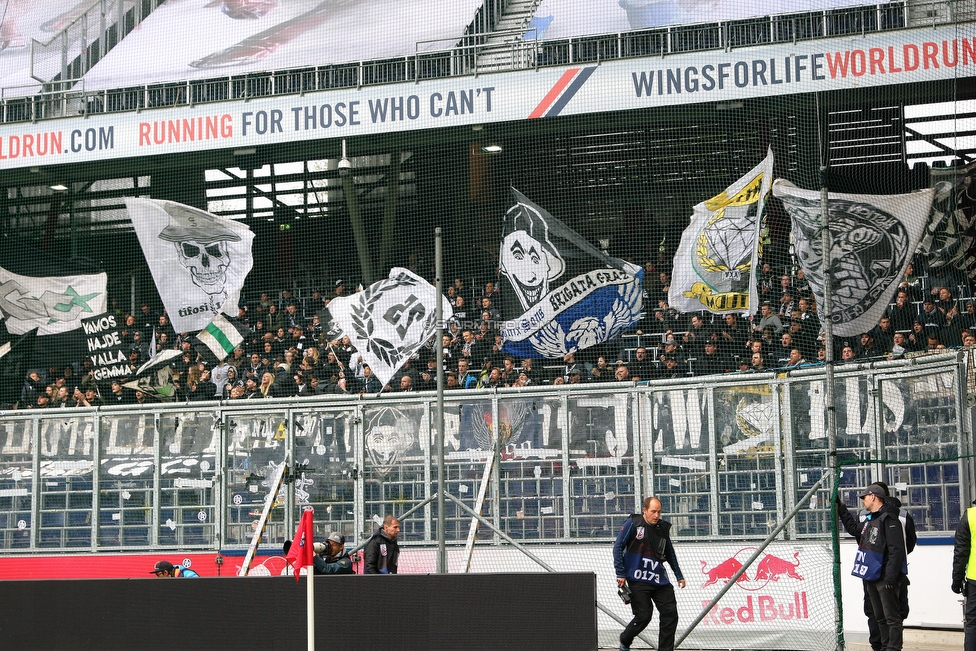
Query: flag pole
(310, 606)
(439, 348)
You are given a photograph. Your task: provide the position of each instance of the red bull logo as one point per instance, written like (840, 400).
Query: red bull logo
(771, 568)
(764, 608)
(724, 571)
(768, 568)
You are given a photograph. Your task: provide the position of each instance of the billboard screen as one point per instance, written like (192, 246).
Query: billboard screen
(555, 19)
(199, 39)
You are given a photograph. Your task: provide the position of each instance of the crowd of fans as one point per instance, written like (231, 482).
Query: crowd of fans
(294, 350)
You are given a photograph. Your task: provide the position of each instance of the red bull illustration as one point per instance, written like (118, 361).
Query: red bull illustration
(724, 570)
(771, 568)
(768, 568)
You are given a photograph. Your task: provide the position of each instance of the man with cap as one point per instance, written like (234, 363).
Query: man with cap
(336, 560)
(908, 527)
(964, 572)
(169, 571)
(881, 560)
(340, 290)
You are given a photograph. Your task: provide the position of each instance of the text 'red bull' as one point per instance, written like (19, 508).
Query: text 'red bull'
(764, 609)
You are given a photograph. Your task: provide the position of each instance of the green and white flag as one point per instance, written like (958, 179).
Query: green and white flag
(219, 338)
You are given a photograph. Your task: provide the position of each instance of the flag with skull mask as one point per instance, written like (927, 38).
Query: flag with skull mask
(716, 262)
(560, 293)
(871, 240)
(198, 260)
(390, 320)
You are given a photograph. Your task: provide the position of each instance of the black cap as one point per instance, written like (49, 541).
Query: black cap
(874, 489)
(162, 566)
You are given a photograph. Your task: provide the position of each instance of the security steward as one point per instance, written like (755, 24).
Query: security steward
(964, 572)
(880, 561)
(639, 553)
(331, 557)
(911, 537)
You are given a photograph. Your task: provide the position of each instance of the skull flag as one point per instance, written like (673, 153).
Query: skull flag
(560, 293)
(198, 260)
(715, 264)
(389, 320)
(871, 240)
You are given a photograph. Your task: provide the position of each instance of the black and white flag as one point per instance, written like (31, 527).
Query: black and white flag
(871, 242)
(560, 293)
(198, 260)
(950, 237)
(390, 320)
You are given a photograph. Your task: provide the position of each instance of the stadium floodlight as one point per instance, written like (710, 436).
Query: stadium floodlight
(57, 187)
(492, 149)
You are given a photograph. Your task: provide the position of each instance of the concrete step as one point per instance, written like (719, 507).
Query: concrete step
(916, 639)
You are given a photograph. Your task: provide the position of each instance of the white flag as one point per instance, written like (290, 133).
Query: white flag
(716, 262)
(52, 304)
(389, 320)
(872, 239)
(198, 260)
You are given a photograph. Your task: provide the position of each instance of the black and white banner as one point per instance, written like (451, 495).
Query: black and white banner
(947, 246)
(871, 238)
(716, 262)
(560, 293)
(198, 260)
(389, 320)
(103, 339)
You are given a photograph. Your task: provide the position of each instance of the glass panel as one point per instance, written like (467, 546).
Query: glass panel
(396, 438)
(67, 449)
(531, 475)
(16, 483)
(126, 480)
(747, 477)
(920, 430)
(255, 449)
(601, 463)
(677, 443)
(188, 462)
(325, 441)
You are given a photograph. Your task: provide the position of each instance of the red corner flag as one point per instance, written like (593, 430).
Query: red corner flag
(300, 553)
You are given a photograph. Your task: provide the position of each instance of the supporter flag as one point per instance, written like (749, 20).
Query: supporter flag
(871, 238)
(301, 552)
(154, 379)
(15, 358)
(220, 338)
(560, 293)
(949, 243)
(717, 259)
(50, 294)
(390, 320)
(198, 260)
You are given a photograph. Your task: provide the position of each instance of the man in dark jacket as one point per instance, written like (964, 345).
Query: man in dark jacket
(382, 551)
(964, 572)
(641, 548)
(336, 559)
(908, 527)
(881, 560)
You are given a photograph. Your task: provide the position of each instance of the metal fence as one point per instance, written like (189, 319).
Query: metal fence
(728, 455)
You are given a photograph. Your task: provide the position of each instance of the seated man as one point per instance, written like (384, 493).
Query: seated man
(168, 570)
